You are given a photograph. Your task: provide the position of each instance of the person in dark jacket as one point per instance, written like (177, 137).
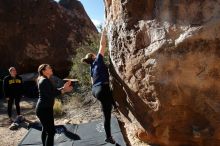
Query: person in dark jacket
(100, 84)
(13, 90)
(44, 107)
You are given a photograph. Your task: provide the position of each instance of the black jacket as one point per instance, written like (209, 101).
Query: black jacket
(13, 87)
(47, 93)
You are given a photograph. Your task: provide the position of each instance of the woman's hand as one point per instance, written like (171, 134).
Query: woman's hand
(67, 87)
(68, 83)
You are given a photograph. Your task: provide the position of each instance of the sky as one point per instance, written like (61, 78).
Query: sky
(95, 10)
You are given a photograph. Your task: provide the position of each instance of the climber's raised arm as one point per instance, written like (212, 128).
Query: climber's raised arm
(102, 43)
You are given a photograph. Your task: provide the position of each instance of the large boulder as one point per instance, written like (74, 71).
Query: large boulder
(42, 31)
(165, 58)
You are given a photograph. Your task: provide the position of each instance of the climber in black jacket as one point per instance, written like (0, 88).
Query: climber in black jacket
(13, 90)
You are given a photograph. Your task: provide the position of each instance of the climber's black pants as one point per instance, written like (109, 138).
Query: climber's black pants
(103, 94)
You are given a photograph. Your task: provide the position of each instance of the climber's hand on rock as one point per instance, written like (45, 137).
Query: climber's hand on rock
(102, 43)
(103, 38)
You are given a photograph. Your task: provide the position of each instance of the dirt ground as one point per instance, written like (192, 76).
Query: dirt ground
(76, 110)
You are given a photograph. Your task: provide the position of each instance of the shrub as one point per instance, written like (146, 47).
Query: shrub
(57, 107)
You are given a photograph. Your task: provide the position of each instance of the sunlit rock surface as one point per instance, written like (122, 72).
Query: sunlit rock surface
(166, 68)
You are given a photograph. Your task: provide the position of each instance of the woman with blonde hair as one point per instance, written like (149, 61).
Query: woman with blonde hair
(44, 108)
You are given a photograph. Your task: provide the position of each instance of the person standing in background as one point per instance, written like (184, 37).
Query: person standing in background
(13, 91)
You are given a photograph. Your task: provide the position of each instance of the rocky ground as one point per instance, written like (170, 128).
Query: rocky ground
(75, 110)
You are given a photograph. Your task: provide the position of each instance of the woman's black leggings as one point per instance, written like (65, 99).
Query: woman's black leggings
(10, 104)
(103, 94)
(48, 130)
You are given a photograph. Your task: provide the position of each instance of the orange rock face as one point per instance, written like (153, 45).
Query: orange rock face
(42, 31)
(166, 68)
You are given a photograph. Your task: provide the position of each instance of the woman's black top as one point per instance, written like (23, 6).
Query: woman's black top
(47, 93)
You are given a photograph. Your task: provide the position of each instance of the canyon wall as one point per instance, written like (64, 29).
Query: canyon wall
(42, 31)
(165, 66)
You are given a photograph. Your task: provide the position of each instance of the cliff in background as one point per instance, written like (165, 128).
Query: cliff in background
(166, 68)
(42, 31)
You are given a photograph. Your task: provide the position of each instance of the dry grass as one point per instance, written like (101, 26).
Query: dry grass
(57, 108)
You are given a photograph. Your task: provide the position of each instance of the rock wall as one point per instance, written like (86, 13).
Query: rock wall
(165, 68)
(42, 31)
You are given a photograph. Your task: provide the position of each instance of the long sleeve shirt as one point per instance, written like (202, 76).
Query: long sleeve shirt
(12, 86)
(47, 93)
